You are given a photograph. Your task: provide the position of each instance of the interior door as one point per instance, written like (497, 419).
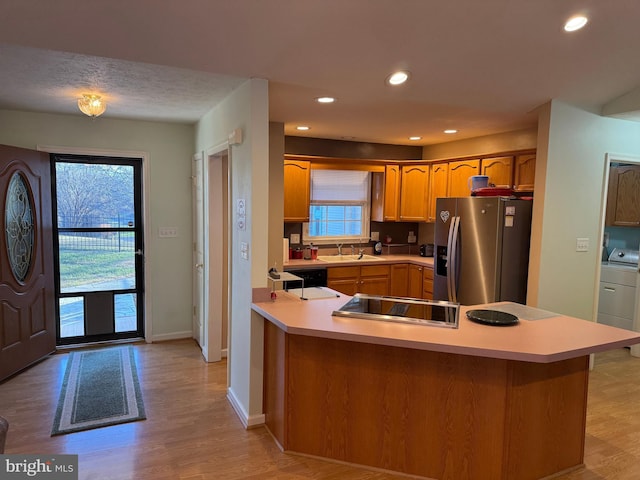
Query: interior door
(198, 251)
(27, 302)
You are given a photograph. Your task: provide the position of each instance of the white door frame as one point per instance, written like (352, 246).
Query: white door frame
(609, 159)
(215, 270)
(146, 181)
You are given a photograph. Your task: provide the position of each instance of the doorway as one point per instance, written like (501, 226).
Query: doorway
(620, 203)
(98, 248)
(211, 274)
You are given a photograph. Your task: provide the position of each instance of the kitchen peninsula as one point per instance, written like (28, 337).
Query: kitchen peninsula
(469, 403)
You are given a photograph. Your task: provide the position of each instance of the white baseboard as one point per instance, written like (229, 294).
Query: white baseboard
(172, 336)
(247, 421)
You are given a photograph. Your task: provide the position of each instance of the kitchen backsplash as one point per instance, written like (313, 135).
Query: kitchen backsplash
(398, 231)
(623, 237)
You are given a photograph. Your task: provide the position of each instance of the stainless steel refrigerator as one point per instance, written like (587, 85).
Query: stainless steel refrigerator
(481, 249)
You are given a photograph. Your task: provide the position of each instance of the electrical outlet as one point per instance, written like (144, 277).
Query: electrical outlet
(295, 238)
(582, 244)
(375, 236)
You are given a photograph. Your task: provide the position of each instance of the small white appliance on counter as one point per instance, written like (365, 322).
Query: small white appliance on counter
(618, 278)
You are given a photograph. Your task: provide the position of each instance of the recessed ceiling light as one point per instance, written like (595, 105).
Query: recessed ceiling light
(302, 127)
(575, 23)
(325, 99)
(398, 78)
(450, 130)
(415, 137)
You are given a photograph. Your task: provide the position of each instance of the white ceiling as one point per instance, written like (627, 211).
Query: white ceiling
(479, 66)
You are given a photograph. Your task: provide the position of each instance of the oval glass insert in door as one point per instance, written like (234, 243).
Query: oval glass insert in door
(19, 227)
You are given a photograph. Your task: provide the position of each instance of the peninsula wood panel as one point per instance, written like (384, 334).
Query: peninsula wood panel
(426, 413)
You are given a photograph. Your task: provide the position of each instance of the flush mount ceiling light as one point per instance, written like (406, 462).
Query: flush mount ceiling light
(575, 23)
(415, 137)
(450, 130)
(325, 99)
(92, 105)
(398, 78)
(302, 127)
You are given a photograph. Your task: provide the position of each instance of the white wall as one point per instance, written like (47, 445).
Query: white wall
(169, 148)
(246, 108)
(570, 168)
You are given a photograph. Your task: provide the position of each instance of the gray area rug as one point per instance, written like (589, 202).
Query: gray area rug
(100, 388)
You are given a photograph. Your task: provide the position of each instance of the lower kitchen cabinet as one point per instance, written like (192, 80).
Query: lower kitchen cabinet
(427, 283)
(399, 284)
(415, 281)
(371, 279)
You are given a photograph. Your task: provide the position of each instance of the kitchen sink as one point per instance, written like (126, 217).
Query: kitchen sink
(347, 258)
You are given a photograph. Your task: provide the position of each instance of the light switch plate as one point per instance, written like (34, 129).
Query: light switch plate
(295, 238)
(582, 244)
(375, 236)
(167, 232)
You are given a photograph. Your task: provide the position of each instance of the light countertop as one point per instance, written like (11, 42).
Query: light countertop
(540, 336)
(380, 260)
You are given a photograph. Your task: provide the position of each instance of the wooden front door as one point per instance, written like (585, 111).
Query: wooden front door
(27, 302)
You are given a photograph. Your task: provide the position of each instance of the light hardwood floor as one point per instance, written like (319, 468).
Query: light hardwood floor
(192, 433)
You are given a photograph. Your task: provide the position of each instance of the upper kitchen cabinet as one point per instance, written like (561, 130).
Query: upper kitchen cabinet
(459, 173)
(524, 172)
(438, 183)
(499, 170)
(385, 194)
(623, 197)
(413, 193)
(297, 174)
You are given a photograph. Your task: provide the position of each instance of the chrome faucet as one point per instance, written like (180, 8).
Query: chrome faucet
(339, 245)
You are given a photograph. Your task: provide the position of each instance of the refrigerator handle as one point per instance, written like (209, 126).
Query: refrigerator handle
(450, 257)
(453, 259)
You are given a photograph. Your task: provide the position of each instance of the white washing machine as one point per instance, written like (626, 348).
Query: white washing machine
(618, 278)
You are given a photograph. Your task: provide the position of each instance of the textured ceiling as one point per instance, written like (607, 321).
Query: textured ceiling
(481, 67)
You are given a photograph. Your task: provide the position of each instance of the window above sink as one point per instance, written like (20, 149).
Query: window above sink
(339, 210)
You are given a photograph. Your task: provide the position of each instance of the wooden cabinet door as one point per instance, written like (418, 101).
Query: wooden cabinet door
(297, 175)
(415, 281)
(344, 279)
(623, 197)
(459, 173)
(524, 172)
(499, 170)
(399, 280)
(374, 279)
(413, 194)
(427, 283)
(385, 194)
(438, 185)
